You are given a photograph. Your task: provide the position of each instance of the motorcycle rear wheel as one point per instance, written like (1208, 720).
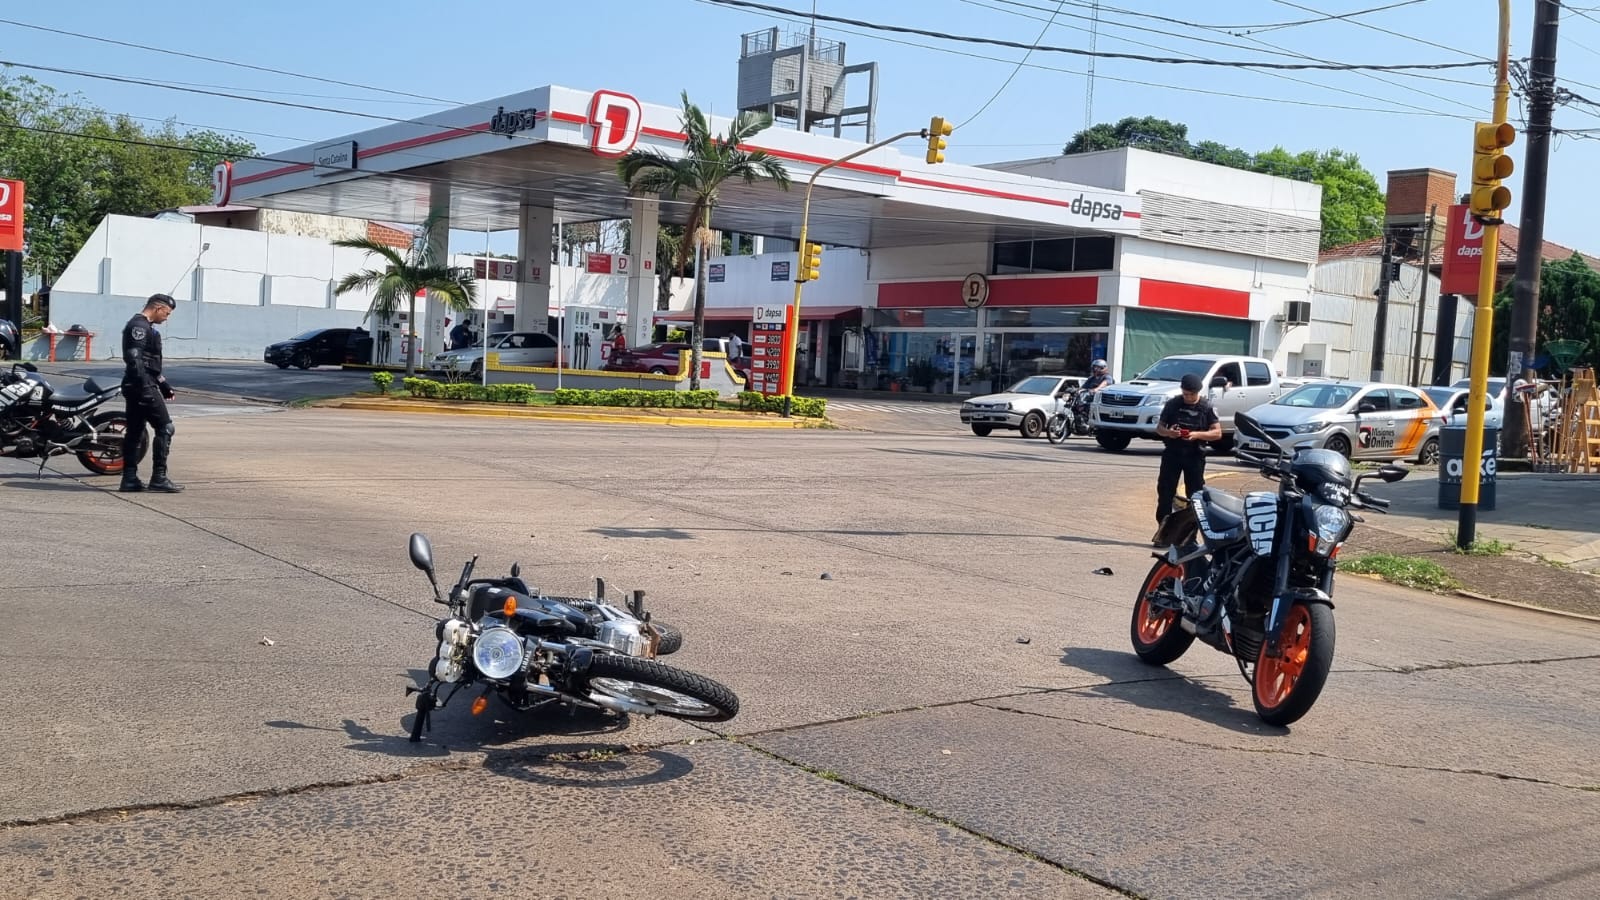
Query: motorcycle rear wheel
(107, 461)
(1158, 639)
(1286, 685)
(670, 692)
(1058, 430)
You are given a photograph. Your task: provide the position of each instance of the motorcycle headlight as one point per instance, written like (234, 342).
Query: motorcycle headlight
(1329, 524)
(1310, 427)
(498, 653)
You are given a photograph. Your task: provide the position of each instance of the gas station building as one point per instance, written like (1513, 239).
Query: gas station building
(1124, 254)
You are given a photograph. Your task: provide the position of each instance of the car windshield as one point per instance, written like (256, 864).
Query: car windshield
(1317, 396)
(1037, 384)
(1175, 369)
(1440, 396)
(308, 335)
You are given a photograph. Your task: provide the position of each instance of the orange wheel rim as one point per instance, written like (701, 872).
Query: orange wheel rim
(1276, 675)
(111, 460)
(1154, 622)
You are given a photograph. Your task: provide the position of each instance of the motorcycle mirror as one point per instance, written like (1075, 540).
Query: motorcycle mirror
(516, 570)
(29, 367)
(422, 554)
(1390, 474)
(1250, 427)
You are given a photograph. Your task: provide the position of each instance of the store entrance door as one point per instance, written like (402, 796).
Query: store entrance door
(963, 364)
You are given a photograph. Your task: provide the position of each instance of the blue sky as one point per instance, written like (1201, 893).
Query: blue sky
(472, 50)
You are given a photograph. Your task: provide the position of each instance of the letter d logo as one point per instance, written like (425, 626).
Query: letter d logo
(1474, 228)
(614, 120)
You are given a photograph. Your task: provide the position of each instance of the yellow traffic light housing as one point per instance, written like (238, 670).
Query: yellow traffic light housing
(810, 263)
(1489, 165)
(938, 130)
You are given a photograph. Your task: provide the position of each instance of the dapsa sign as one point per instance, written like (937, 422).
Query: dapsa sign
(1463, 252)
(614, 122)
(11, 236)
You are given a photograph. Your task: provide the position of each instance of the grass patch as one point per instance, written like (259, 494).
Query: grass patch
(1490, 547)
(1407, 571)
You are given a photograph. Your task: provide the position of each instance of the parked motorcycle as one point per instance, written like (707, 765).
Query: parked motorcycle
(39, 422)
(1253, 576)
(533, 650)
(1071, 417)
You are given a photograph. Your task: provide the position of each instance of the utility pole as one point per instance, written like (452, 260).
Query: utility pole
(1422, 300)
(1378, 348)
(1530, 242)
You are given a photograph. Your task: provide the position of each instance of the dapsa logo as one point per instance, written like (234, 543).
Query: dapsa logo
(614, 122)
(1095, 210)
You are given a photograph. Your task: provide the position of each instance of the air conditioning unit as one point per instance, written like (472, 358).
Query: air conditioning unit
(1297, 312)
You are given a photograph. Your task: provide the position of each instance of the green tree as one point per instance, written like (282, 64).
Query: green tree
(402, 276)
(1569, 301)
(707, 163)
(1352, 200)
(82, 164)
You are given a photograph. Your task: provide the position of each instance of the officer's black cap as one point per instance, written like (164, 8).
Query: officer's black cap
(1191, 382)
(161, 300)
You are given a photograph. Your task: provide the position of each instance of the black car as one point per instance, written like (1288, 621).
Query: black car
(10, 341)
(322, 347)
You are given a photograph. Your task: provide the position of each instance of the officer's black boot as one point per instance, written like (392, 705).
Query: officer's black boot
(130, 480)
(160, 482)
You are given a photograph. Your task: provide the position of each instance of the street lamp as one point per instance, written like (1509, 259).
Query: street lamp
(806, 270)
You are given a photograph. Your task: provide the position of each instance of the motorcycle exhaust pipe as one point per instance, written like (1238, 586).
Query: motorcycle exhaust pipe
(617, 704)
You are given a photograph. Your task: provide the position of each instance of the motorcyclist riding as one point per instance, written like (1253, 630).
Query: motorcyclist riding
(1100, 377)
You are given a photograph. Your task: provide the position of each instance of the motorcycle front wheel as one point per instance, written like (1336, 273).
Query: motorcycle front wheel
(1058, 430)
(106, 458)
(667, 691)
(1288, 683)
(1157, 636)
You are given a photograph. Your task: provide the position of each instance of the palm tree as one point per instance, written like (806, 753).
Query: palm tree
(402, 277)
(707, 162)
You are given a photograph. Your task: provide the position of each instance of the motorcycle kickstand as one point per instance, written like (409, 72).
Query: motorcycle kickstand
(427, 702)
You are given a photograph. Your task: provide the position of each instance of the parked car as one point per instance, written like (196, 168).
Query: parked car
(516, 348)
(322, 347)
(1545, 407)
(1367, 421)
(1452, 403)
(1025, 406)
(1236, 383)
(10, 340)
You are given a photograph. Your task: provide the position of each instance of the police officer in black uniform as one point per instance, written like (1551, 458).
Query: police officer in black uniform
(1186, 422)
(147, 393)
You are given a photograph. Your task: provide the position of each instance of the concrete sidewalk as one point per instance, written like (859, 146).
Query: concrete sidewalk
(1556, 517)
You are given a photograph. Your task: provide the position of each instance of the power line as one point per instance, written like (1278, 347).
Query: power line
(1007, 82)
(1074, 51)
(1253, 98)
(1250, 27)
(1370, 26)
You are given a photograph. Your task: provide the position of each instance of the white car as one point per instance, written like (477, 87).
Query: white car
(516, 348)
(1545, 406)
(1452, 402)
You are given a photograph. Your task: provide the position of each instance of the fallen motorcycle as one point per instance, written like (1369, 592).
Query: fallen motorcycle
(1252, 576)
(533, 650)
(39, 422)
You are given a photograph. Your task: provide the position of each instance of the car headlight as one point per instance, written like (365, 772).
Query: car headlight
(498, 653)
(1154, 400)
(1329, 524)
(1310, 427)
(1009, 407)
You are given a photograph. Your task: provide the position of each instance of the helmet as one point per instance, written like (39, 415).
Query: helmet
(1098, 364)
(1312, 469)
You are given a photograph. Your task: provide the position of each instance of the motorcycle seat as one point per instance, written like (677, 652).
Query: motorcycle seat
(1224, 510)
(72, 396)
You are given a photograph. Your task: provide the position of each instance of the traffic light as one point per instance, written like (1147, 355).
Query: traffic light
(938, 130)
(1490, 164)
(810, 263)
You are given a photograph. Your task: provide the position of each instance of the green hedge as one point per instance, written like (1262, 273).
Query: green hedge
(806, 407)
(494, 393)
(630, 397)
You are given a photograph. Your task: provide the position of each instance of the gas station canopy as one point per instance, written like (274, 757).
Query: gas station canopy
(556, 148)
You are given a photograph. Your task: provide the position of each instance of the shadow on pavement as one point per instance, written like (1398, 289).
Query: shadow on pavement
(1131, 681)
(605, 769)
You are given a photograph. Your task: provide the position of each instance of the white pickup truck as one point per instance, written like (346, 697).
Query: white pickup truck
(1129, 410)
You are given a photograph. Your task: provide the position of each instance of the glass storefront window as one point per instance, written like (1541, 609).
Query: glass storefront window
(1048, 317)
(1080, 254)
(1016, 355)
(933, 317)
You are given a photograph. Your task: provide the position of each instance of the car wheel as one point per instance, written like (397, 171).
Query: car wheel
(657, 370)
(1430, 452)
(1340, 445)
(982, 430)
(475, 371)
(1110, 440)
(1033, 424)
(303, 360)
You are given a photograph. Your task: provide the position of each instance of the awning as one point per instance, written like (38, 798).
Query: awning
(732, 313)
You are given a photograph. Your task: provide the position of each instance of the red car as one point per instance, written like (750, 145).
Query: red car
(662, 358)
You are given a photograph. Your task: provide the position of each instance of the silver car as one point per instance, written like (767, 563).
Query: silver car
(516, 348)
(1025, 406)
(1361, 421)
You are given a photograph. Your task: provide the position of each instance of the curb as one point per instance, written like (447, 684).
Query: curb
(1473, 595)
(516, 412)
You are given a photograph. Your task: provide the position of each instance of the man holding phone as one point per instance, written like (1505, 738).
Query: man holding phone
(1186, 423)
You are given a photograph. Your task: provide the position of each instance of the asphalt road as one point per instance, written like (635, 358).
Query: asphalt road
(207, 689)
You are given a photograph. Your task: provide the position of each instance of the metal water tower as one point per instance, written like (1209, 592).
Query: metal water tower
(796, 77)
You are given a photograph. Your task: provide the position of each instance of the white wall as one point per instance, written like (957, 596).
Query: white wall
(749, 281)
(1344, 315)
(928, 263)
